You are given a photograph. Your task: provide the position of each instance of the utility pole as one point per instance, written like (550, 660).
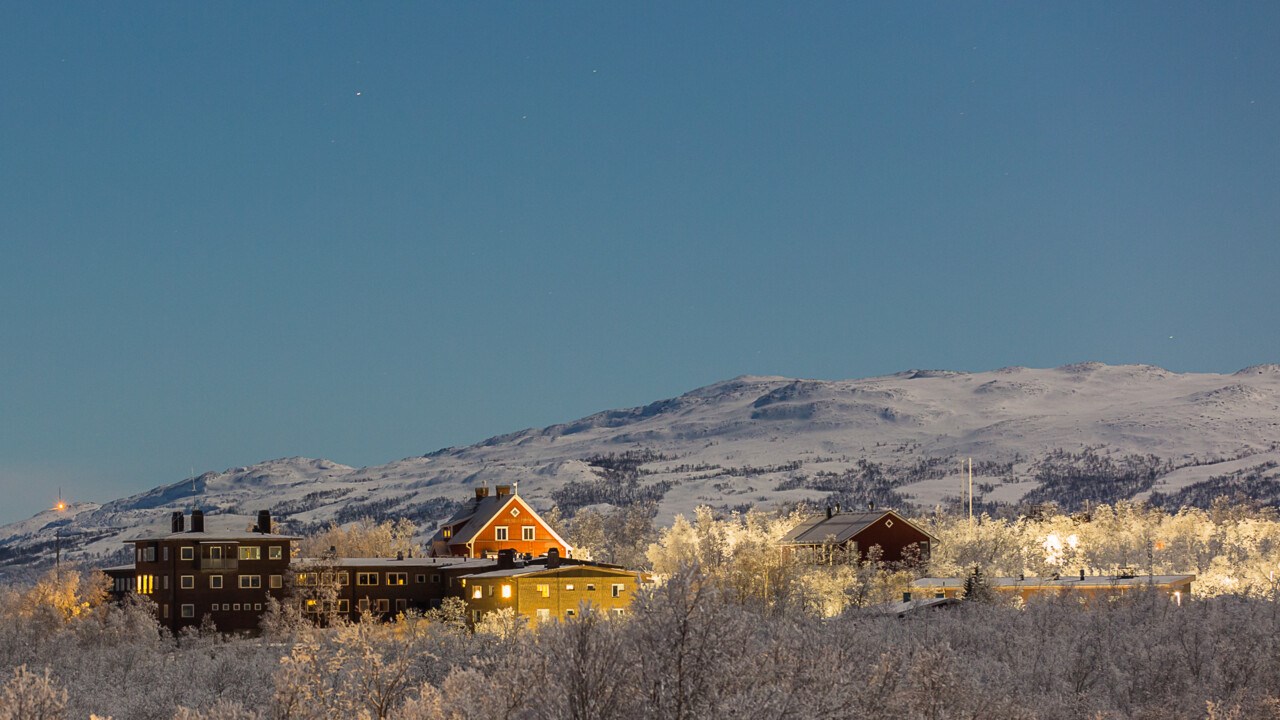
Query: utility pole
(970, 491)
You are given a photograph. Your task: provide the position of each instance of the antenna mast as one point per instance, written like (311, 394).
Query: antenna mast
(970, 490)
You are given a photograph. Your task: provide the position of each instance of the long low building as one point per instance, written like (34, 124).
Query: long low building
(230, 576)
(1088, 587)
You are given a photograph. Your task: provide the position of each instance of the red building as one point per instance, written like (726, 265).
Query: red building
(847, 537)
(501, 521)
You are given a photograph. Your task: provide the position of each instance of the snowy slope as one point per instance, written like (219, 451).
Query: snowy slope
(756, 440)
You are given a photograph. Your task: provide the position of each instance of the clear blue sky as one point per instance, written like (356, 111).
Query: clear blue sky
(237, 231)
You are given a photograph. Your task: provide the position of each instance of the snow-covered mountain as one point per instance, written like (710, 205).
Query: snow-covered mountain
(1079, 432)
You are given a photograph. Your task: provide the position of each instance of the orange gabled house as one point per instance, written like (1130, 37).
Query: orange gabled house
(501, 521)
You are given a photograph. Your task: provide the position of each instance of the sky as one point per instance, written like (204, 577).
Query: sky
(231, 232)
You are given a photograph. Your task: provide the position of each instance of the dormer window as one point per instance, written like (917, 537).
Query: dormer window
(448, 533)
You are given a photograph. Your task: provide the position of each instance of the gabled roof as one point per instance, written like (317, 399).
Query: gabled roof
(840, 527)
(584, 570)
(479, 513)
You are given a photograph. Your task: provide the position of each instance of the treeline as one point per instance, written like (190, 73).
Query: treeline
(692, 647)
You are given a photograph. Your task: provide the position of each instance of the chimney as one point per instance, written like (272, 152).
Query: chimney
(400, 555)
(1081, 573)
(482, 492)
(506, 559)
(501, 490)
(197, 521)
(837, 508)
(828, 512)
(177, 521)
(871, 505)
(264, 522)
(553, 558)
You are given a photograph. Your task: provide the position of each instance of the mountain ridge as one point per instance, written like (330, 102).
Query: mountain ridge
(773, 441)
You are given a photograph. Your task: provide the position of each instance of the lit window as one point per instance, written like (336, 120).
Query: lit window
(187, 553)
(311, 605)
(617, 589)
(250, 582)
(276, 581)
(275, 552)
(188, 582)
(506, 591)
(543, 614)
(366, 578)
(500, 532)
(544, 590)
(447, 532)
(250, 552)
(568, 586)
(619, 611)
(215, 582)
(397, 578)
(308, 579)
(477, 593)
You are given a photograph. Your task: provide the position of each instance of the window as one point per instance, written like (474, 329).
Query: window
(215, 582)
(570, 613)
(257, 607)
(276, 581)
(226, 607)
(165, 610)
(188, 611)
(187, 553)
(215, 607)
(506, 592)
(366, 578)
(420, 578)
(617, 589)
(591, 587)
(250, 582)
(543, 614)
(188, 582)
(236, 607)
(619, 611)
(344, 606)
(397, 578)
(165, 554)
(275, 552)
(148, 554)
(344, 578)
(527, 532)
(568, 586)
(307, 579)
(383, 605)
(435, 578)
(544, 590)
(164, 580)
(363, 605)
(447, 532)
(250, 552)
(311, 605)
(477, 592)
(500, 532)
(402, 605)
(215, 552)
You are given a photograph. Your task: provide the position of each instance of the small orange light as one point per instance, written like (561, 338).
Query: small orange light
(60, 506)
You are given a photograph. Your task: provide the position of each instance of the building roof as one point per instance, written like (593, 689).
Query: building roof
(212, 536)
(840, 527)
(409, 562)
(541, 570)
(1062, 582)
(903, 607)
(478, 513)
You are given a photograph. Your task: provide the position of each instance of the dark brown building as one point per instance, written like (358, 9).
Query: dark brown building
(224, 574)
(847, 537)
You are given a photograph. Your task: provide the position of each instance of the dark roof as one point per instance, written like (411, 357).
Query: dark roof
(1063, 581)
(839, 528)
(388, 563)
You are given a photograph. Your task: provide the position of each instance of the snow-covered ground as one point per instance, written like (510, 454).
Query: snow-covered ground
(724, 444)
